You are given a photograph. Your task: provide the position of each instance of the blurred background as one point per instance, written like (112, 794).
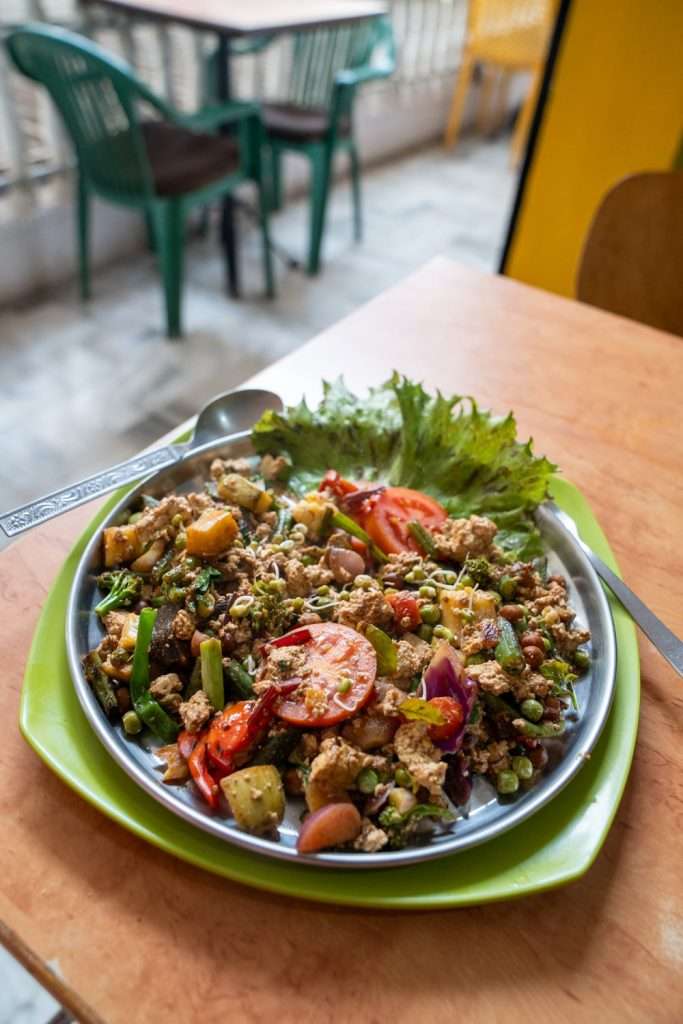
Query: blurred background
(541, 139)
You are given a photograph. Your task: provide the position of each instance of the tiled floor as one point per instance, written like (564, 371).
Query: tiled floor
(80, 389)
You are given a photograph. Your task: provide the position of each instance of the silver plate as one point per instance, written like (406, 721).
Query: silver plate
(487, 815)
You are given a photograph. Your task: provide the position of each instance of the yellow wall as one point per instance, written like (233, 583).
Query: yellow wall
(615, 107)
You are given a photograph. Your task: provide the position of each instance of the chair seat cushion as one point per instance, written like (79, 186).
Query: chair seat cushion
(183, 161)
(292, 123)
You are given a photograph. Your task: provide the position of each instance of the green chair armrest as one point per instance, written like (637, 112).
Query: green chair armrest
(352, 77)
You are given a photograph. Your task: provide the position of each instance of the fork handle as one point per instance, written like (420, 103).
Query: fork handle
(654, 629)
(25, 517)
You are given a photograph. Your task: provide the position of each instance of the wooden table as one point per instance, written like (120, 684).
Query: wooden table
(140, 936)
(232, 19)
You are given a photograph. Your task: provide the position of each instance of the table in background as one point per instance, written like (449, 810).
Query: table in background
(141, 936)
(232, 19)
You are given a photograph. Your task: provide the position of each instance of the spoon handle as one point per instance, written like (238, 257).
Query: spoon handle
(25, 517)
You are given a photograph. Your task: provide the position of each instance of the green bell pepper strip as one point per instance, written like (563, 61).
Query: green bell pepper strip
(422, 537)
(343, 522)
(508, 652)
(240, 680)
(211, 657)
(385, 649)
(148, 709)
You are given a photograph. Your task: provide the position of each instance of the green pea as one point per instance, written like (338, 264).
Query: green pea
(522, 767)
(507, 587)
(403, 777)
(323, 590)
(427, 592)
(507, 782)
(582, 660)
(180, 542)
(546, 643)
(362, 582)
(177, 521)
(277, 586)
(532, 709)
(430, 613)
(367, 780)
(415, 575)
(425, 632)
(466, 581)
(298, 604)
(443, 633)
(344, 595)
(131, 723)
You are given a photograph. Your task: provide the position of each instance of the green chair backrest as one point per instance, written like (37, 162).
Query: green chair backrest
(319, 55)
(97, 96)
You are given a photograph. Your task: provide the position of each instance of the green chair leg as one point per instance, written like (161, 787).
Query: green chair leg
(321, 160)
(275, 178)
(83, 233)
(169, 221)
(355, 188)
(264, 203)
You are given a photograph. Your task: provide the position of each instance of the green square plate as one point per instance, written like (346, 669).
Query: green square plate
(555, 846)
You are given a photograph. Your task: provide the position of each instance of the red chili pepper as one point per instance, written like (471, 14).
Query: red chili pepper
(187, 741)
(293, 639)
(236, 730)
(333, 482)
(405, 608)
(203, 780)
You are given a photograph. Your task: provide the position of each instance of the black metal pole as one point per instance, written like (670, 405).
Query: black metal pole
(228, 229)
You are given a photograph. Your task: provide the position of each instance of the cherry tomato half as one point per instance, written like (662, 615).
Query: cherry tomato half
(336, 484)
(453, 715)
(335, 681)
(406, 609)
(387, 519)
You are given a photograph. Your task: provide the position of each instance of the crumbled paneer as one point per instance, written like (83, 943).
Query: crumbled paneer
(195, 712)
(219, 467)
(336, 767)
(371, 838)
(273, 466)
(421, 757)
(480, 636)
(167, 689)
(298, 583)
(364, 608)
(183, 625)
(459, 538)
(176, 766)
(305, 750)
(394, 571)
(389, 699)
(284, 663)
(199, 502)
(493, 758)
(155, 521)
(410, 658)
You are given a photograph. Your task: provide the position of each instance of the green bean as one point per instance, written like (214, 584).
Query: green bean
(240, 680)
(385, 649)
(423, 538)
(211, 658)
(344, 522)
(508, 652)
(545, 730)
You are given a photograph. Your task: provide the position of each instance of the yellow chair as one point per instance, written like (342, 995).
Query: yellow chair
(512, 36)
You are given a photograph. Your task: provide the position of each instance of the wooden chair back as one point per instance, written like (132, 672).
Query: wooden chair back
(632, 260)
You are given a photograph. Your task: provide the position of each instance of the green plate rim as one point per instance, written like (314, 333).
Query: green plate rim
(556, 846)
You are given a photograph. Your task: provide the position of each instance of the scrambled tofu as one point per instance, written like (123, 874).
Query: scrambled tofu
(365, 608)
(167, 689)
(459, 538)
(371, 838)
(195, 712)
(334, 771)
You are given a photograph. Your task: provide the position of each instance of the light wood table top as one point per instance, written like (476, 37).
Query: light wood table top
(141, 936)
(248, 17)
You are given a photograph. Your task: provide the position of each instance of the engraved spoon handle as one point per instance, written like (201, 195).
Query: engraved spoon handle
(25, 517)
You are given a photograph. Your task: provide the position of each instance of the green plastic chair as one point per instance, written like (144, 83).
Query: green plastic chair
(161, 165)
(315, 118)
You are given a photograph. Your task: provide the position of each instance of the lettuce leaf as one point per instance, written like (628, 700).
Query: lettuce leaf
(465, 457)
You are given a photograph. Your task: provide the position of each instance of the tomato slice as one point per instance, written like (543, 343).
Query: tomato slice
(453, 714)
(336, 484)
(335, 678)
(387, 519)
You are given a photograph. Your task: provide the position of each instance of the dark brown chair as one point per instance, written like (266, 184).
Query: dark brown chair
(632, 261)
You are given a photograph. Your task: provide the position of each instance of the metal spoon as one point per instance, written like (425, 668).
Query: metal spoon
(225, 415)
(666, 642)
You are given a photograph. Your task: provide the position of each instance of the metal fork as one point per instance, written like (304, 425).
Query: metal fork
(654, 629)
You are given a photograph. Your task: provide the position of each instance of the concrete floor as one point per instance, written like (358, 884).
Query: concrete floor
(81, 388)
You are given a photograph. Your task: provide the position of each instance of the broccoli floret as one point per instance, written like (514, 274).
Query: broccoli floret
(123, 586)
(478, 569)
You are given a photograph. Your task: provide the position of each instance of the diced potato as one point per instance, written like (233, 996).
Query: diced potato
(212, 533)
(121, 544)
(233, 487)
(129, 633)
(256, 797)
(122, 672)
(459, 608)
(312, 511)
(149, 558)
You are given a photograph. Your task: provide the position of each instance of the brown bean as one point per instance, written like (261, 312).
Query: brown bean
(538, 756)
(123, 699)
(293, 783)
(512, 612)
(532, 638)
(197, 639)
(534, 656)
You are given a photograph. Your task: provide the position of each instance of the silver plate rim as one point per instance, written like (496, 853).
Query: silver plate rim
(220, 828)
